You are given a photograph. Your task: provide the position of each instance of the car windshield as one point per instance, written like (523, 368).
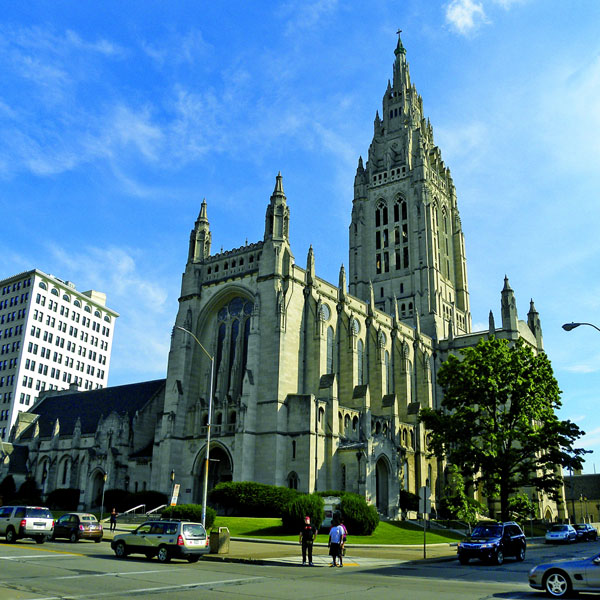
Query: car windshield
(194, 530)
(559, 528)
(487, 531)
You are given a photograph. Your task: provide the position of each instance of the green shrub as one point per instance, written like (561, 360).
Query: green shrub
(251, 499)
(28, 493)
(190, 512)
(115, 498)
(63, 499)
(8, 490)
(304, 505)
(409, 501)
(359, 517)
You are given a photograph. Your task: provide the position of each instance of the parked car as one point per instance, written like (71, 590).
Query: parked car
(492, 541)
(562, 578)
(18, 522)
(78, 526)
(586, 532)
(165, 540)
(561, 533)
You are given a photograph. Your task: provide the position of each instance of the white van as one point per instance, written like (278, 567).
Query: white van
(331, 506)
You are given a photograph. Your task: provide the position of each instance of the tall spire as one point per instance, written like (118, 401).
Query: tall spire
(200, 237)
(278, 214)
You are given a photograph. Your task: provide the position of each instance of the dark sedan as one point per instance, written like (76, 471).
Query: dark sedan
(586, 532)
(78, 526)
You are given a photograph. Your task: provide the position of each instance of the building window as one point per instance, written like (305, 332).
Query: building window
(329, 350)
(359, 360)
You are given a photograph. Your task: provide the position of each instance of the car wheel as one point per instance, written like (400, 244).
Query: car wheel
(521, 554)
(163, 555)
(557, 584)
(73, 537)
(40, 539)
(98, 540)
(11, 536)
(499, 558)
(120, 550)
(194, 558)
(463, 560)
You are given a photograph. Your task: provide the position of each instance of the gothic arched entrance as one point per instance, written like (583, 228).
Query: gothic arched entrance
(220, 469)
(381, 486)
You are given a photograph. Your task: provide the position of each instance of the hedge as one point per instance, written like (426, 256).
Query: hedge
(310, 505)
(190, 512)
(251, 499)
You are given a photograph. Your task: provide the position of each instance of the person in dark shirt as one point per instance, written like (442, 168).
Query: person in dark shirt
(307, 538)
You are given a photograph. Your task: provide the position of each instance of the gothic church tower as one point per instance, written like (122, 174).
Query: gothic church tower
(406, 238)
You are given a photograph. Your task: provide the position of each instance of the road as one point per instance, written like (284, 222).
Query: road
(88, 571)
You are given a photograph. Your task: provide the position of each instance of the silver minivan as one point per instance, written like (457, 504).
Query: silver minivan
(18, 522)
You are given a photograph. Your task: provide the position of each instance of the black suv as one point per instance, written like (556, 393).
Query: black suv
(493, 541)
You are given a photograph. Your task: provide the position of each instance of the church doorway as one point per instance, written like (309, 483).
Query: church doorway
(219, 469)
(97, 488)
(381, 486)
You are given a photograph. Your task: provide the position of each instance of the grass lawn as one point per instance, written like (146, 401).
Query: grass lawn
(397, 532)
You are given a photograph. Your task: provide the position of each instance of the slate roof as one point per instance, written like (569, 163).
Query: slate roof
(90, 406)
(583, 485)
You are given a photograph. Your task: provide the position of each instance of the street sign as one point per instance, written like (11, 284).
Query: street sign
(175, 494)
(424, 500)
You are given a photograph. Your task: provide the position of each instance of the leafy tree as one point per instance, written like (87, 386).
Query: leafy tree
(456, 499)
(498, 421)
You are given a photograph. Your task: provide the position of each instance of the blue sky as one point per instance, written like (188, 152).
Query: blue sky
(116, 119)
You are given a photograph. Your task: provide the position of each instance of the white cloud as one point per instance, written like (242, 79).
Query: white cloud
(465, 16)
(141, 343)
(178, 49)
(306, 15)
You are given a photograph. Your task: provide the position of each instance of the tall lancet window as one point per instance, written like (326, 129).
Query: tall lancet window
(330, 350)
(360, 351)
(387, 373)
(401, 234)
(231, 355)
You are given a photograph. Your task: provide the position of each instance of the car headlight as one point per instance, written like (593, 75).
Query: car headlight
(489, 545)
(532, 571)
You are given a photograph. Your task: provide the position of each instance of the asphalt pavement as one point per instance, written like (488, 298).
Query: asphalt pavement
(268, 552)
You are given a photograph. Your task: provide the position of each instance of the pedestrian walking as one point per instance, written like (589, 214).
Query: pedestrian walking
(336, 538)
(307, 538)
(113, 519)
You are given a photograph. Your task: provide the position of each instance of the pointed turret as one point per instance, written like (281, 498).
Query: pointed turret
(200, 237)
(278, 214)
(510, 318)
(342, 284)
(492, 324)
(310, 266)
(533, 320)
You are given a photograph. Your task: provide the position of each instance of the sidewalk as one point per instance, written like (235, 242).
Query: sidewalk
(267, 552)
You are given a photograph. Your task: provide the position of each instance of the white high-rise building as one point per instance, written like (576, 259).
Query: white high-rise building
(52, 337)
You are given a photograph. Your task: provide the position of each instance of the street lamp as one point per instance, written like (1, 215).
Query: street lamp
(571, 326)
(210, 401)
(103, 488)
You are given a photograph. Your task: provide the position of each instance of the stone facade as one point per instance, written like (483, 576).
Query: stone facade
(316, 385)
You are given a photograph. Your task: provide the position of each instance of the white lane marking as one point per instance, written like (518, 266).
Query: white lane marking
(33, 556)
(151, 590)
(113, 574)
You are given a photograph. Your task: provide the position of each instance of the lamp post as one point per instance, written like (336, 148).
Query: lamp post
(104, 477)
(210, 401)
(571, 326)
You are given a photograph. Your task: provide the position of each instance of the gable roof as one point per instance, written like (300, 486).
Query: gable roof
(90, 406)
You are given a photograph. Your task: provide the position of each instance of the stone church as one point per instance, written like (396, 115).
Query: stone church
(315, 385)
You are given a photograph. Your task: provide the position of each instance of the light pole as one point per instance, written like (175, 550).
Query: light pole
(571, 326)
(103, 488)
(210, 401)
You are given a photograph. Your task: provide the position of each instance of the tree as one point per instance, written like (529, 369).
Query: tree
(457, 501)
(498, 421)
